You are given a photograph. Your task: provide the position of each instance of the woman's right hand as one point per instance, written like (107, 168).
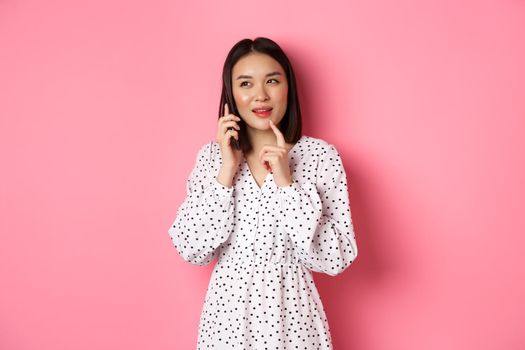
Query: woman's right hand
(230, 156)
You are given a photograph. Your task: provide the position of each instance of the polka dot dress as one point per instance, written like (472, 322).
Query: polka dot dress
(268, 240)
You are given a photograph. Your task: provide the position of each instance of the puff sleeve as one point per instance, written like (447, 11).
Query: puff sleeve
(204, 220)
(317, 217)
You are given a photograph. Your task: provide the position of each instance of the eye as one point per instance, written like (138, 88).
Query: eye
(243, 83)
(274, 79)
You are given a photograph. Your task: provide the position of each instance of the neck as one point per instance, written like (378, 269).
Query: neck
(259, 138)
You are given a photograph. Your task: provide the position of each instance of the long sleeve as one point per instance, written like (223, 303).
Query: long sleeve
(317, 217)
(204, 220)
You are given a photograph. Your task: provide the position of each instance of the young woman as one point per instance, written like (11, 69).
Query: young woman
(271, 204)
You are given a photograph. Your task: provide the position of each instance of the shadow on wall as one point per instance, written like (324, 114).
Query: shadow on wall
(372, 270)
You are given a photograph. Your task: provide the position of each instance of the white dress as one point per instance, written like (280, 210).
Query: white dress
(268, 240)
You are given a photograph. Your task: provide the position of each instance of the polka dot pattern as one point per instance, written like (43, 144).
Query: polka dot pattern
(267, 240)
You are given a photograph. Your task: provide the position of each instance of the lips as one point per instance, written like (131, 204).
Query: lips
(262, 109)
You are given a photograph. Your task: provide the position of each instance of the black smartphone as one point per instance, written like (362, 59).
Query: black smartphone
(233, 141)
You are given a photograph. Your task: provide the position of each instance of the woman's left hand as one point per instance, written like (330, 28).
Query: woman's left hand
(275, 158)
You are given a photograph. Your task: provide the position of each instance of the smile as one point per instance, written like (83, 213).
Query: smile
(262, 112)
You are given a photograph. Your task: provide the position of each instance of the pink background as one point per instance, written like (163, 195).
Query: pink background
(104, 105)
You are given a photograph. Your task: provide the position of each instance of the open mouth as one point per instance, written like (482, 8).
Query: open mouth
(263, 111)
(259, 110)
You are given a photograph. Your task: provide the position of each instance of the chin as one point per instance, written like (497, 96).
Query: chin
(259, 124)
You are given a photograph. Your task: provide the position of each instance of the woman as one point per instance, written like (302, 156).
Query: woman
(271, 204)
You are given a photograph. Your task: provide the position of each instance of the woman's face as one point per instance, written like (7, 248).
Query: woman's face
(258, 80)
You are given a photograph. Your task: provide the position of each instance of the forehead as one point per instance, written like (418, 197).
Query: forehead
(256, 64)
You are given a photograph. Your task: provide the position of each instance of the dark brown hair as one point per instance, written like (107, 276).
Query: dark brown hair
(291, 123)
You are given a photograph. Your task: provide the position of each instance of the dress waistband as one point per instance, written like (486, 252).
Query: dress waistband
(255, 262)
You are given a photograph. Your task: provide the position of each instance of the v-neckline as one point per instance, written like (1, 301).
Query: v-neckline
(252, 178)
(269, 173)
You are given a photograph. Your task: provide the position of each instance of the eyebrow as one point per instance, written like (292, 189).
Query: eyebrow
(249, 76)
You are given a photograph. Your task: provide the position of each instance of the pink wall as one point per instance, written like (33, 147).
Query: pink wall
(99, 102)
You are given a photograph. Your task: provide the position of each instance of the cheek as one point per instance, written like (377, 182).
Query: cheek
(241, 98)
(244, 98)
(282, 95)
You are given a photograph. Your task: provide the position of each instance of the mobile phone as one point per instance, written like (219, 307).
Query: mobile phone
(233, 141)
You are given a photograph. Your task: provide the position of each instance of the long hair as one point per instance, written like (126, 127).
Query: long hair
(291, 123)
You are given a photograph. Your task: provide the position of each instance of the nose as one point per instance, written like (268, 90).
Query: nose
(261, 94)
